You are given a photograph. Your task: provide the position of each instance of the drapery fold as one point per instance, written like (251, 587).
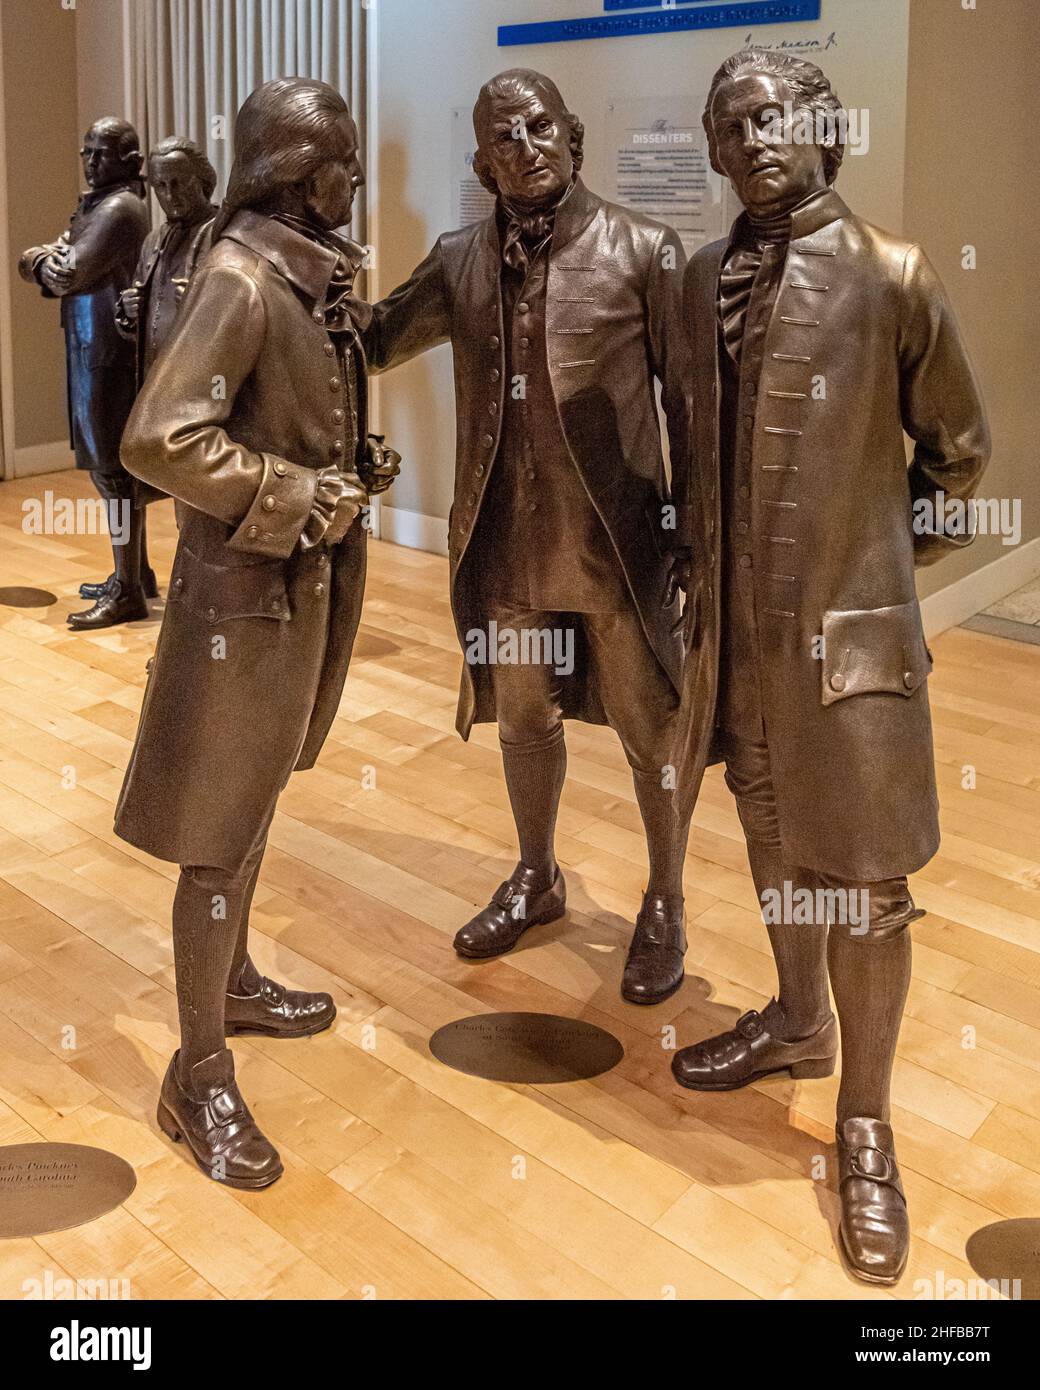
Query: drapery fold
(196, 61)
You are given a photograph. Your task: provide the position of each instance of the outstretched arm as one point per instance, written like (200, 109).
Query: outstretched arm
(411, 320)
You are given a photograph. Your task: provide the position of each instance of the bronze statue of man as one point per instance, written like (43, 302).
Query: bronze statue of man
(88, 268)
(567, 546)
(817, 341)
(254, 418)
(183, 181)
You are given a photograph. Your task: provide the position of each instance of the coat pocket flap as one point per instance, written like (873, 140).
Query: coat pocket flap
(218, 592)
(874, 650)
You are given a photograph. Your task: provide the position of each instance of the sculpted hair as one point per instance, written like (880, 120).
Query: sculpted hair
(514, 85)
(284, 132)
(810, 89)
(196, 157)
(125, 138)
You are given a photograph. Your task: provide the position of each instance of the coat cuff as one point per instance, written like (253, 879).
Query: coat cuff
(274, 523)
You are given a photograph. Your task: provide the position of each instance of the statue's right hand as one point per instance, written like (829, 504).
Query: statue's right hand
(130, 304)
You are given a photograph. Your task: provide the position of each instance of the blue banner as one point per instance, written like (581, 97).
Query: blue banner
(665, 20)
(651, 4)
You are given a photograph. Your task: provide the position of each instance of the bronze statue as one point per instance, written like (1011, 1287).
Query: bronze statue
(567, 547)
(817, 340)
(254, 419)
(183, 181)
(87, 268)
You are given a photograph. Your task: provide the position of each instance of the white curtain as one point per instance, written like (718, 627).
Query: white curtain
(196, 61)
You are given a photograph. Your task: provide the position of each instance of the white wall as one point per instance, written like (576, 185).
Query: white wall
(433, 55)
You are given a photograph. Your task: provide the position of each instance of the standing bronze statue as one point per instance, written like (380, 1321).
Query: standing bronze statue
(567, 548)
(183, 180)
(818, 340)
(253, 418)
(88, 268)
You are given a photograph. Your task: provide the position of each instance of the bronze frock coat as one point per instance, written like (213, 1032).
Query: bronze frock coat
(246, 402)
(859, 345)
(613, 323)
(104, 240)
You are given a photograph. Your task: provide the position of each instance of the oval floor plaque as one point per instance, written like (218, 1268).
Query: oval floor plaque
(1007, 1255)
(27, 598)
(52, 1187)
(528, 1048)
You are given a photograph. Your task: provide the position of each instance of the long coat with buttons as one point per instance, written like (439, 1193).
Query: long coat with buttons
(247, 401)
(859, 346)
(613, 324)
(104, 240)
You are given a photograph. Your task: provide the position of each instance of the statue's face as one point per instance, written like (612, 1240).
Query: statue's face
(102, 164)
(329, 193)
(770, 177)
(176, 185)
(527, 146)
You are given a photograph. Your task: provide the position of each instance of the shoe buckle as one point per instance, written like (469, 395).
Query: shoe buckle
(750, 1025)
(864, 1163)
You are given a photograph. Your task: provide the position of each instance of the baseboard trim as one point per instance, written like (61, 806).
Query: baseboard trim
(970, 595)
(43, 458)
(414, 530)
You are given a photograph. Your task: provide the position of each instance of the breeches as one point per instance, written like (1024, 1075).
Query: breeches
(637, 697)
(885, 908)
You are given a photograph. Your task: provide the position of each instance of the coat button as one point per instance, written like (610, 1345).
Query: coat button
(838, 684)
(493, 408)
(252, 533)
(496, 375)
(525, 342)
(323, 560)
(269, 504)
(530, 475)
(908, 679)
(276, 605)
(489, 441)
(319, 316)
(211, 615)
(330, 350)
(319, 590)
(338, 417)
(745, 562)
(337, 446)
(334, 383)
(479, 470)
(279, 468)
(524, 307)
(495, 340)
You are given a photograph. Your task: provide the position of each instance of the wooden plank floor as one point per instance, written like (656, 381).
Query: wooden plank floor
(405, 1179)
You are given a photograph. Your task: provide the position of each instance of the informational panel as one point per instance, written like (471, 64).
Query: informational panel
(659, 166)
(472, 201)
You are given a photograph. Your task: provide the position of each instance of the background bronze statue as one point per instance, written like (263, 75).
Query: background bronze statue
(561, 310)
(254, 418)
(87, 268)
(818, 340)
(183, 181)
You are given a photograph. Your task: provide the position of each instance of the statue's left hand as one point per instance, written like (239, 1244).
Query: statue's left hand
(680, 578)
(56, 275)
(380, 467)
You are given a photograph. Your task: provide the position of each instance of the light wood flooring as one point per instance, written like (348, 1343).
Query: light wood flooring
(406, 1179)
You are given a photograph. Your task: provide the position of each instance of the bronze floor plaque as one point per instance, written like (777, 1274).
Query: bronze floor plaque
(52, 1187)
(26, 598)
(531, 1048)
(1007, 1255)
